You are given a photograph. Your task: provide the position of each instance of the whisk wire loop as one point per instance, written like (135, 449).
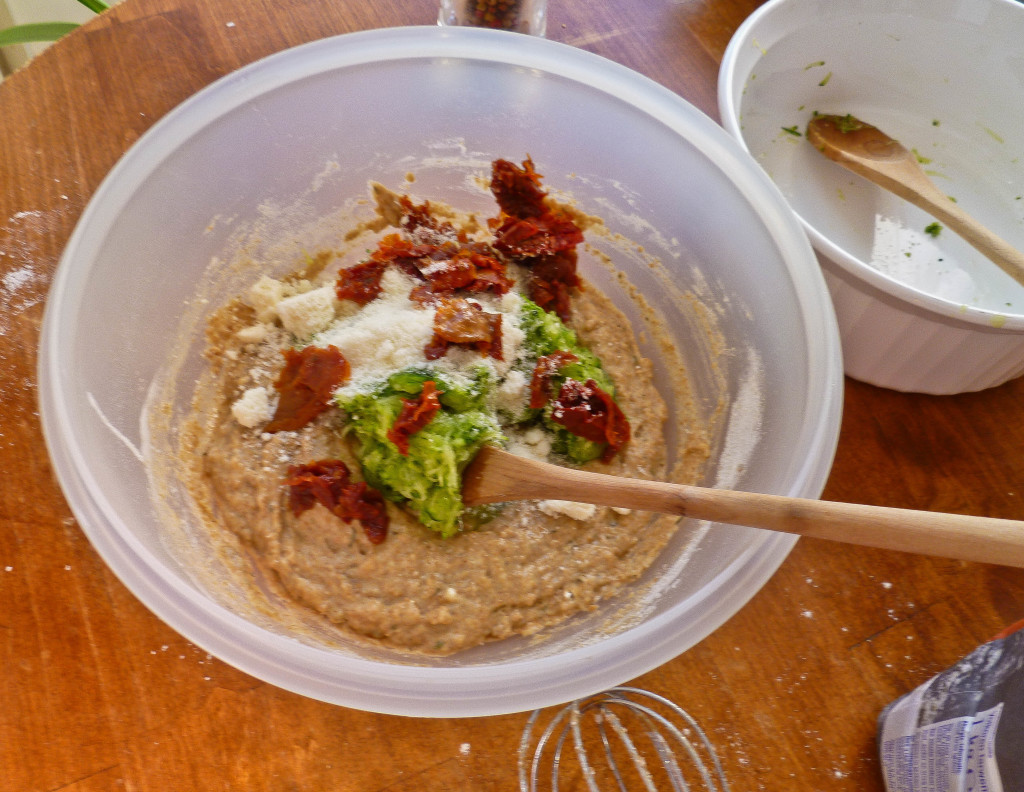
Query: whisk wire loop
(665, 726)
(631, 751)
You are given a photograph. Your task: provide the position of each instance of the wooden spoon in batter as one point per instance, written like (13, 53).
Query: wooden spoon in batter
(871, 153)
(495, 476)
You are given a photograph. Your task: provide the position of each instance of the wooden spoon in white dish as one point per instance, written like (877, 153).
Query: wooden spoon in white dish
(869, 152)
(495, 476)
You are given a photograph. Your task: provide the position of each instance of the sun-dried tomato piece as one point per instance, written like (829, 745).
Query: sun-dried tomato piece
(436, 348)
(469, 270)
(490, 271)
(461, 322)
(490, 281)
(416, 413)
(483, 257)
(465, 323)
(449, 274)
(419, 216)
(414, 216)
(517, 190)
(589, 412)
(402, 252)
(549, 233)
(512, 233)
(444, 261)
(424, 296)
(360, 282)
(546, 368)
(328, 482)
(539, 237)
(550, 280)
(317, 482)
(306, 383)
(368, 506)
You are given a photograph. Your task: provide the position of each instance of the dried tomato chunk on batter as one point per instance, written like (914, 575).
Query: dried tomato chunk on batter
(448, 274)
(517, 190)
(404, 253)
(550, 281)
(419, 216)
(545, 369)
(490, 279)
(360, 282)
(443, 261)
(416, 413)
(589, 412)
(458, 321)
(466, 269)
(552, 232)
(540, 238)
(328, 482)
(309, 378)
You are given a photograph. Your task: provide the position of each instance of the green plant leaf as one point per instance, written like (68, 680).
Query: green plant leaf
(39, 31)
(95, 5)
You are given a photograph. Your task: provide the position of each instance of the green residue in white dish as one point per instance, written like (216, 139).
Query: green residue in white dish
(993, 134)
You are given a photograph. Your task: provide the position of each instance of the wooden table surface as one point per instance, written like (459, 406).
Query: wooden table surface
(97, 694)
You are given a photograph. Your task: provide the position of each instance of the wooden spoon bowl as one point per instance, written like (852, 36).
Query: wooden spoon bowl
(869, 152)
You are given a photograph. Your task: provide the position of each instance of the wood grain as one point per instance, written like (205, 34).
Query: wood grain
(96, 694)
(496, 476)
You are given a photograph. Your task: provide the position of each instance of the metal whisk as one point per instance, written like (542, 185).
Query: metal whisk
(623, 739)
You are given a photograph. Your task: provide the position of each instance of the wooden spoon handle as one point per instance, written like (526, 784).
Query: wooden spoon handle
(983, 539)
(914, 186)
(995, 248)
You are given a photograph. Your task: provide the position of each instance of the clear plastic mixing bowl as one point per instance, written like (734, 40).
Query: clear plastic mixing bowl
(304, 131)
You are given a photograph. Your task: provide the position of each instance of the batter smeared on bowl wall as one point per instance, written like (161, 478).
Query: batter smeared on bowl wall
(340, 408)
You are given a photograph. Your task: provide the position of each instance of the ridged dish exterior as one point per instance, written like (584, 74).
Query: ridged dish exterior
(892, 344)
